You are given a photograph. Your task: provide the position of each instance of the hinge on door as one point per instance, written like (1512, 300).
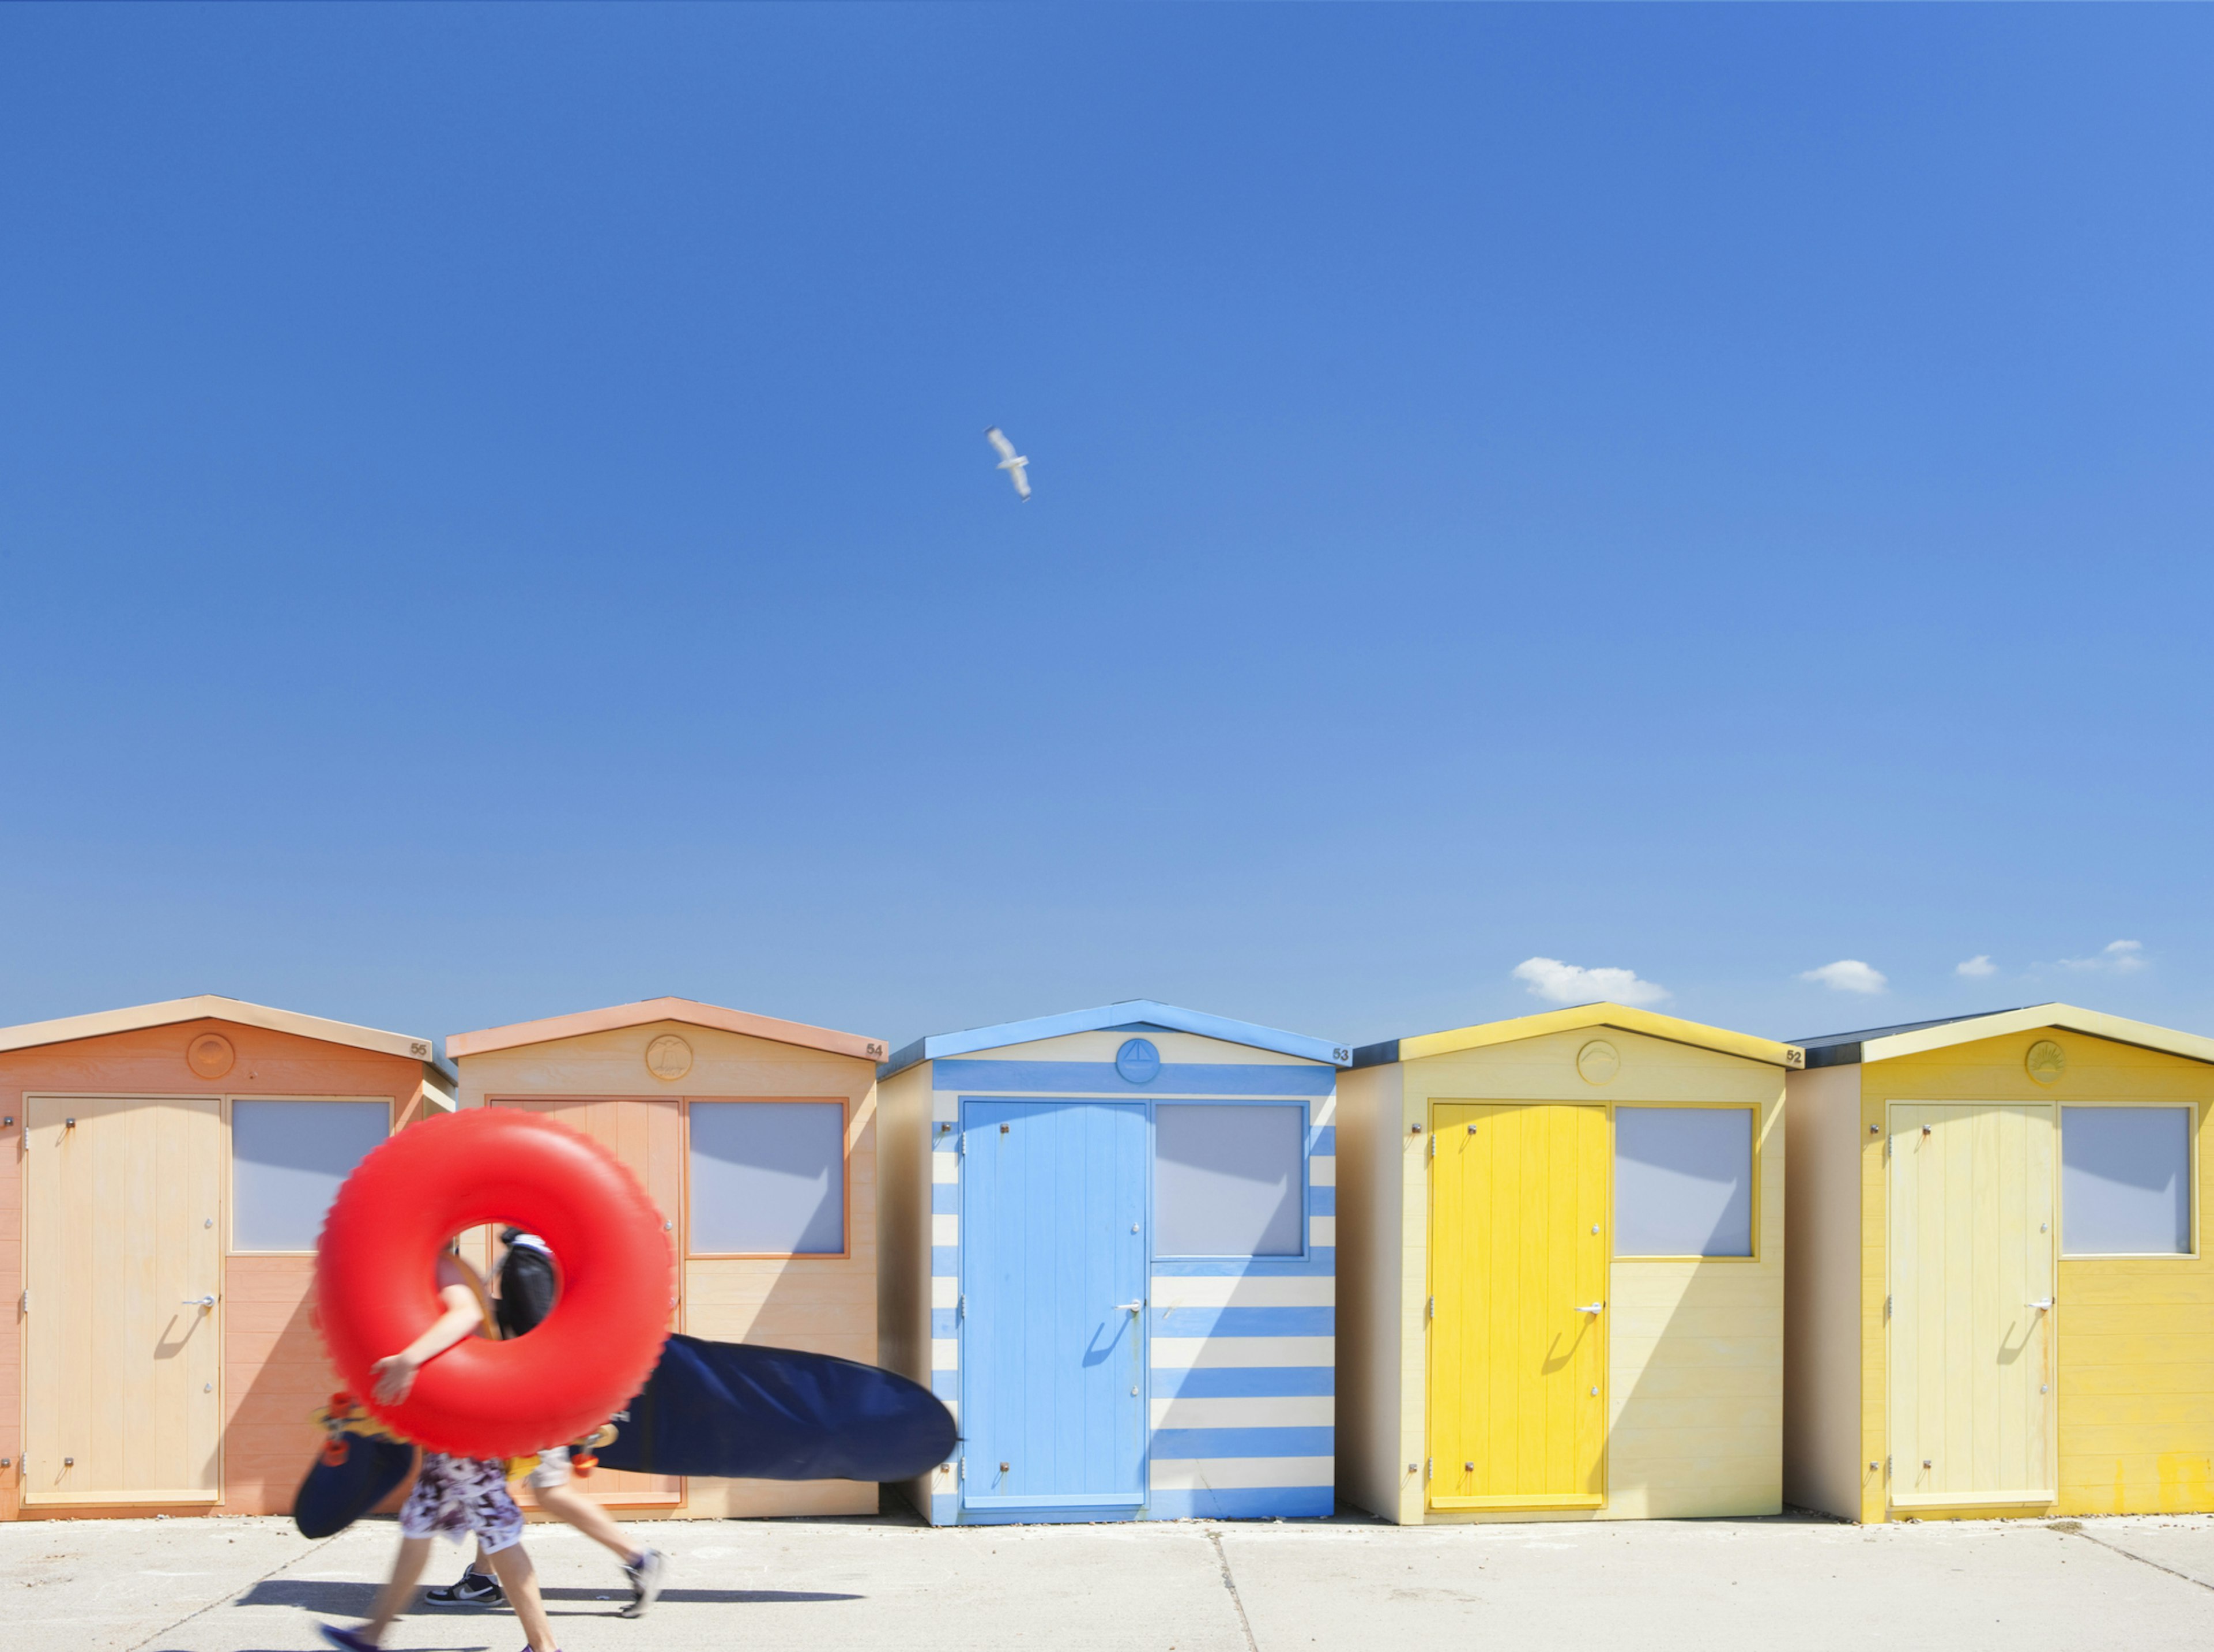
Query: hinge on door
(26, 1299)
(961, 1147)
(964, 1468)
(1433, 1144)
(1430, 1309)
(1430, 1466)
(961, 1306)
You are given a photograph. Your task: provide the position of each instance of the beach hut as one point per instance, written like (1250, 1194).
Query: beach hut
(166, 1168)
(757, 1139)
(1108, 1244)
(1998, 1303)
(1562, 1275)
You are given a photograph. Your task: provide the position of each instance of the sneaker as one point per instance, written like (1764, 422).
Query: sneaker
(346, 1640)
(644, 1582)
(472, 1589)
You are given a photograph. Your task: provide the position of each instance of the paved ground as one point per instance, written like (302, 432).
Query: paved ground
(1340, 1586)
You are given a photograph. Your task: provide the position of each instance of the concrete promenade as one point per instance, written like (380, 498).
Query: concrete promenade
(1338, 1586)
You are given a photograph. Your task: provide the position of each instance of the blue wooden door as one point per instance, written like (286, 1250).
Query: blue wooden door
(1054, 1249)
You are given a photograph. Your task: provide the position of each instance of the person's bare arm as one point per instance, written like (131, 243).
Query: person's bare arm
(395, 1373)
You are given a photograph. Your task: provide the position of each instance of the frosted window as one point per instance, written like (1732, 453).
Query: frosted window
(1683, 1181)
(1227, 1180)
(287, 1159)
(2126, 1181)
(769, 1178)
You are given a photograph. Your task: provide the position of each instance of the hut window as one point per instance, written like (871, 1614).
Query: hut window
(1228, 1181)
(2126, 1181)
(1683, 1181)
(287, 1159)
(769, 1178)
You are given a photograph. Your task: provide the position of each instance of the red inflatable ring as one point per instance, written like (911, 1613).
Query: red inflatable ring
(375, 1268)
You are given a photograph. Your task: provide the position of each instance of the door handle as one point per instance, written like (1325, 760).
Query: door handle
(1589, 1307)
(198, 1301)
(2042, 1307)
(1131, 1307)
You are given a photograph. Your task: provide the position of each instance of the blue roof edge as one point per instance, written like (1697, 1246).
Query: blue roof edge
(1106, 1017)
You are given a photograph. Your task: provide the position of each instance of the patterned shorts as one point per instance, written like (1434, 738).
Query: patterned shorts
(460, 1496)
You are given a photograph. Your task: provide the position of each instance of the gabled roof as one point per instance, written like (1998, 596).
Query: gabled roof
(647, 1011)
(1572, 1019)
(1132, 1015)
(1913, 1038)
(206, 1006)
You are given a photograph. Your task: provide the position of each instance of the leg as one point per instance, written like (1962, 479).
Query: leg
(392, 1600)
(520, 1579)
(567, 1503)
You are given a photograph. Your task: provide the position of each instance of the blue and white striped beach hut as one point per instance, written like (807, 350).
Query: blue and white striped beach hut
(1108, 1240)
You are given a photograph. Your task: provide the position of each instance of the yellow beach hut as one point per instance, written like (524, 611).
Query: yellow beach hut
(1998, 1303)
(1561, 1270)
(757, 1139)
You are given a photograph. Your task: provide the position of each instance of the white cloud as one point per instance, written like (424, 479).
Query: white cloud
(1976, 967)
(2119, 957)
(1571, 983)
(1847, 974)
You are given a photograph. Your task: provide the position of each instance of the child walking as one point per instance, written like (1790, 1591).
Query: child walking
(527, 1290)
(457, 1496)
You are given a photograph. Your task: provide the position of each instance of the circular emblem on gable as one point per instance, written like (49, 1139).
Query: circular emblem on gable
(1138, 1060)
(2047, 1060)
(669, 1057)
(209, 1055)
(1598, 1061)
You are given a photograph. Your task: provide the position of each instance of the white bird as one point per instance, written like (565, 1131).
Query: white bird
(1010, 461)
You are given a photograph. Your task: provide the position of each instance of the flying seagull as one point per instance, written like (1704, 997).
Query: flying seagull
(1010, 461)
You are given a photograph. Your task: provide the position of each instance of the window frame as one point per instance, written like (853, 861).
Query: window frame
(2192, 1125)
(1305, 1105)
(845, 1252)
(391, 1105)
(1752, 1109)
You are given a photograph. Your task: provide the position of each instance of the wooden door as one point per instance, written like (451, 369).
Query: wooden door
(124, 1328)
(1518, 1333)
(1971, 1288)
(1054, 1258)
(648, 1138)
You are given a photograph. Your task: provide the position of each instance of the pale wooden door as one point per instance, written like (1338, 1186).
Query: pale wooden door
(647, 1137)
(1972, 1288)
(1517, 1331)
(123, 1335)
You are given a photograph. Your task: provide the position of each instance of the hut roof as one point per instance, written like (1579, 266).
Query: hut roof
(1130, 1015)
(1619, 1016)
(212, 1006)
(647, 1011)
(1913, 1038)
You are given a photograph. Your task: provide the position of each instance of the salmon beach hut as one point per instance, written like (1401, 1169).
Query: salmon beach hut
(1110, 1244)
(1562, 1271)
(757, 1139)
(169, 1169)
(1999, 1293)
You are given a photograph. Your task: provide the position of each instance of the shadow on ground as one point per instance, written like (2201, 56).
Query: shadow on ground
(354, 1600)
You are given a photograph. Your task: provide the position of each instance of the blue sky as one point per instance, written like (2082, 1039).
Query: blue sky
(494, 516)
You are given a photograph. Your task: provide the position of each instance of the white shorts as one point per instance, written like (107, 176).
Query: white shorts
(553, 1470)
(461, 1496)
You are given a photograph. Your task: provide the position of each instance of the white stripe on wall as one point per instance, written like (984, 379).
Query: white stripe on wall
(1184, 1352)
(1275, 1411)
(945, 1353)
(1254, 1291)
(1240, 1473)
(1325, 1110)
(1322, 1170)
(945, 1229)
(944, 1291)
(946, 1167)
(1322, 1230)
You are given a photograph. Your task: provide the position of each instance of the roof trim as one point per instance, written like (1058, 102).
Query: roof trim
(1621, 1016)
(1107, 1017)
(1884, 1045)
(647, 1011)
(211, 1006)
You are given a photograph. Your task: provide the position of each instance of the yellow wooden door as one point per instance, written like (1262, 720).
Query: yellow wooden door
(648, 1138)
(1971, 1320)
(1517, 1332)
(123, 1327)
